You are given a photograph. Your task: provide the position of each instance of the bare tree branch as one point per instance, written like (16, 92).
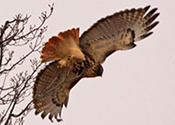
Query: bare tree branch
(15, 84)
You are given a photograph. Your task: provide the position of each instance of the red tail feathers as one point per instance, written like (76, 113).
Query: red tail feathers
(61, 46)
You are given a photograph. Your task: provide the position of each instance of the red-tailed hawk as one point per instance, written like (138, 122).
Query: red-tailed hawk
(74, 58)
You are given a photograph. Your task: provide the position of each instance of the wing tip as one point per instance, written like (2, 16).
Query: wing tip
(150, 13)
(145, 35)
(43, 115)
(37, 112)
(150, 22)
(147, 29)
(147, 7)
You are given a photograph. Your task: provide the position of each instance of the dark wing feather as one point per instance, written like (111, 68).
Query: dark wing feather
(118, 32)
(51, 89)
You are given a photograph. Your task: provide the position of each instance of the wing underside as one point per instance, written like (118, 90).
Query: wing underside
(118, 32)
(51, 90)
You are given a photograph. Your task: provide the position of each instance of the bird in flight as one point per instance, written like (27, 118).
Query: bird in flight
(72, 58)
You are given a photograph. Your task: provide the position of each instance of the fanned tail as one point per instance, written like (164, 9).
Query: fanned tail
(65, 45)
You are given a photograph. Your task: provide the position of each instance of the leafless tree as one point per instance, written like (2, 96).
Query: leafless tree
(16, 80)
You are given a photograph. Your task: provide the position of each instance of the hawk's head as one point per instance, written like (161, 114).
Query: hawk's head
(98, 70)
(94, 71)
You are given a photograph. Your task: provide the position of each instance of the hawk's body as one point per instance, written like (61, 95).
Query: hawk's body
(75, 58)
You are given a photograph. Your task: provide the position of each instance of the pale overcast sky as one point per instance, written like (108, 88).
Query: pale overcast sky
(137, 87)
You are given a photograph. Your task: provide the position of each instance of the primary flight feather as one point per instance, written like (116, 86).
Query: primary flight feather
(74, 58)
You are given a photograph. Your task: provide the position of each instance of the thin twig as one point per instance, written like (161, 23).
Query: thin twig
(13, 34)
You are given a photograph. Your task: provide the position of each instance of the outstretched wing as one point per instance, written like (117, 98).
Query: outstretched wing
(118, 32)
(51, 89)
